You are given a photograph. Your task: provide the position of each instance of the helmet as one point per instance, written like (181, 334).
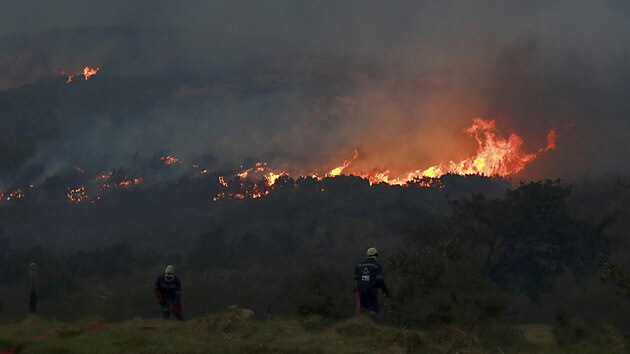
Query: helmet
(169, 273)
(372, 252)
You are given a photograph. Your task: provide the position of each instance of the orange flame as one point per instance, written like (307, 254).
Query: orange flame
(273, 177)
(88, 71)
(169, 160)
(337, 170)
(551, 141)
(130, 182)
(496, 156)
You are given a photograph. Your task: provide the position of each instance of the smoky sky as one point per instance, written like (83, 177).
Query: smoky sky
(303, 83)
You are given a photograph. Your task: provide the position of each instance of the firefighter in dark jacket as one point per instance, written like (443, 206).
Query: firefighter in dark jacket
(369, 277)
(168, 291)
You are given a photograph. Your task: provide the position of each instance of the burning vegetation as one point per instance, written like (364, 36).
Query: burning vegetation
(16, 194)
(169, 160)
(101, 184)
(87, 73)
(496, 156)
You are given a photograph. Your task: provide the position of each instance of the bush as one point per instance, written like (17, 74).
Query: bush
(438, 285)
(324, 293)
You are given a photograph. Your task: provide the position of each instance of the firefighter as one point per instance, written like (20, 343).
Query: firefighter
(369, 277)
(168, 291)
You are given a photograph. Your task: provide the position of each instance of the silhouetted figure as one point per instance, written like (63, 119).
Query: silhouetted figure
(168, 291)
(31, 283)
(370, 277)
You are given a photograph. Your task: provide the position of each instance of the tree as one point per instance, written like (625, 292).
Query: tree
(528, 237)
(451, 267)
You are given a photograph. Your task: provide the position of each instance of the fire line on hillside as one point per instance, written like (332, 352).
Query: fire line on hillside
(495, 156)
(87, 73)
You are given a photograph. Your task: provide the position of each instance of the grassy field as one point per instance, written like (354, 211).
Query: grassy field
(232, 332)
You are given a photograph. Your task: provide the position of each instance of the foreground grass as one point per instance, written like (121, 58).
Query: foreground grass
(232, 332)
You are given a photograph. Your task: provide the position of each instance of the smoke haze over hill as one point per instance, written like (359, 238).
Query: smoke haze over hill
(301, 85)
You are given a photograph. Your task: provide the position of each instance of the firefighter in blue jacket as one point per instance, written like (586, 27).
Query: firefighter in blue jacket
(168, 291)
(369, 277)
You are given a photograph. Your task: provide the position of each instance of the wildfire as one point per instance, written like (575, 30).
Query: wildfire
(104, 176)
(254, 182)
(87, 73)
(169, 160)
(496, 156)
(101, 184)
(259, 167)
(16, 194)
(551, 141)
(337, 170)
(130, 182)
(77, 195)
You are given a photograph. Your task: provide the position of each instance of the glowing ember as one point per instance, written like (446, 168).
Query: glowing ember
(103, 183)
(77, 195)
(169, 160)
(88, 71)
(130, 182)
(104, 176)
(16, 194)
(222, 181)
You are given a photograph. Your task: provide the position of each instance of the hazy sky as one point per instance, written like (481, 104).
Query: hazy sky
(418, 72)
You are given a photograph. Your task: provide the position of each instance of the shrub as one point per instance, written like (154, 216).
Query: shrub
(440, 284)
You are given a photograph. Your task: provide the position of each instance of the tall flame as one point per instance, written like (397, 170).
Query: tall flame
(337, 170)
(495, 156)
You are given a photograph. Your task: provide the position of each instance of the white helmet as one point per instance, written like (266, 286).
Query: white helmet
(372, 252)
(169, 273)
